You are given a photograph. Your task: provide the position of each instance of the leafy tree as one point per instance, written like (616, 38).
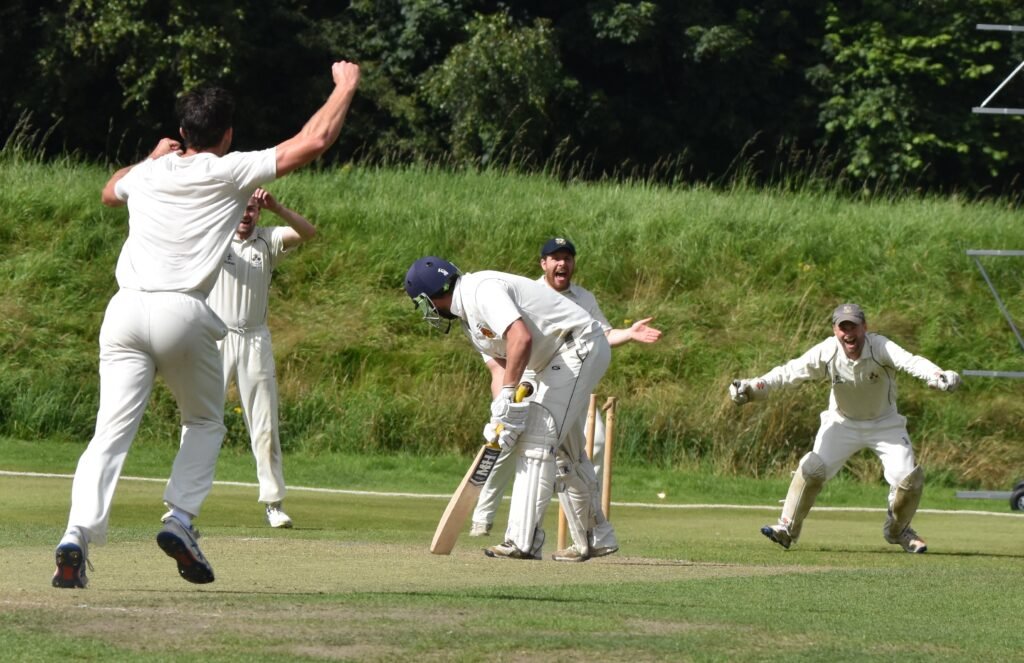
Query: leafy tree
(900, 80)
(396, 42)
(111, 70)
(496, 89)
(694, 85)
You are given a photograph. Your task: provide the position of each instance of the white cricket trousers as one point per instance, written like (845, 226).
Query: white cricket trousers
(505, 469)
(560, 405)
(249, 359)
(839, 438)
(145, 333)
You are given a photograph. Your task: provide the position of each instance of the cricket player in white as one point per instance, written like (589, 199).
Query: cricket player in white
(530, 327)
(558, 264)
(241, 299)
(184, 203)
(862, 414)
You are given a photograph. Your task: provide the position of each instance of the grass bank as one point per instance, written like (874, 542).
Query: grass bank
(739, 280)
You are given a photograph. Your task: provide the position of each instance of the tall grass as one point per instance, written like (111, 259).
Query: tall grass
(740, 280)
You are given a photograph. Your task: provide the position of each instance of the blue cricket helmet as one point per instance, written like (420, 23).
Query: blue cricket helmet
(430, 276)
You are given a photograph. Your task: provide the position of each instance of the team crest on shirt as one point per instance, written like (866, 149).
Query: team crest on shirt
(257, 260)
(485, 331)
(873, 377)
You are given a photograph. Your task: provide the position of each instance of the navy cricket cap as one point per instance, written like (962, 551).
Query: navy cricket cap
(848, 313)
(557, 244)
(430, 276)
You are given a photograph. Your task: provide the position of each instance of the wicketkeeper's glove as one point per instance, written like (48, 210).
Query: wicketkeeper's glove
(742, 391)
(945, 381)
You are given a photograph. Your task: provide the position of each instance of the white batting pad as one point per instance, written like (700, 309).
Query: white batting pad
(531, 492)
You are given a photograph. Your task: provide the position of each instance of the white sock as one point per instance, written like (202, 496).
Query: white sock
(76, 535)
(183, 517)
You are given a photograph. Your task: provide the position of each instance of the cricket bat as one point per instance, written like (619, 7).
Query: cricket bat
(464, 499)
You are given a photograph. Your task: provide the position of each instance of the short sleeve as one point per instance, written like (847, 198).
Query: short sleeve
(496, 306)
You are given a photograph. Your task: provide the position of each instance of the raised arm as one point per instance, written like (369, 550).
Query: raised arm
(109, 197)
(322, 129)
(300, 230)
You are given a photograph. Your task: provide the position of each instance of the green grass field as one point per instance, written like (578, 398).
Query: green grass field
(354, 580)
(740, 279)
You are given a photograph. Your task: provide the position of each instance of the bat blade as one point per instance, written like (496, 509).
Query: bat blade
(465, 496)
(463, 500)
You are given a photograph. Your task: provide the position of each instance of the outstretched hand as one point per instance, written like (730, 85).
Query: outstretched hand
(640, 332)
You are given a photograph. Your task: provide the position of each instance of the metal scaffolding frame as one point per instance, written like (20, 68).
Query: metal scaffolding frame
(984, 107)
(975, 254)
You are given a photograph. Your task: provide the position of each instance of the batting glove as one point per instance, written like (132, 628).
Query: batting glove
(945, 381)
(496, 433)
(505, 429)
(503, 401)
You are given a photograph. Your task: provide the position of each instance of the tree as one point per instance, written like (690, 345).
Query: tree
(496, 90)
(900, 80)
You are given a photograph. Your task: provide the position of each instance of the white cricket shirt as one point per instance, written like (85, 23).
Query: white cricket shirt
(488, 302)
(182, 212)
(582, 298)
(585, 300)
(862, 389)
(241, 296)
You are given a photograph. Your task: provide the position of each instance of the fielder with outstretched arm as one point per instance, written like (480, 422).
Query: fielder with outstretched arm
(862, 414)
(532, 327)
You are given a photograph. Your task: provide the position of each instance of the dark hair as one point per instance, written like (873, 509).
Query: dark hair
(204, 114)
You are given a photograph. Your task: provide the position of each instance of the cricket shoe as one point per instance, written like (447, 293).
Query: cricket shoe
(480, 529)
(276, 517)
(71, 562)
(508, 550)
(908, 539)
(603, 551)
(571, 554)
(779, 534)
(179, 542)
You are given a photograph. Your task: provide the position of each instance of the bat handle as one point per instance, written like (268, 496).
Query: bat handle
(524, 391)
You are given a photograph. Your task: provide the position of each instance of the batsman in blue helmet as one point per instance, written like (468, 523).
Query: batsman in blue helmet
(524, 325)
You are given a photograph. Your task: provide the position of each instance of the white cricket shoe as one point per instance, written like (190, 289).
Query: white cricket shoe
(480, 529)
(603, 551)
(508, 550)
(179, 542)
(779, 534)
(71, 562)
(571, 554)
(276, 517)
(908, 540)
